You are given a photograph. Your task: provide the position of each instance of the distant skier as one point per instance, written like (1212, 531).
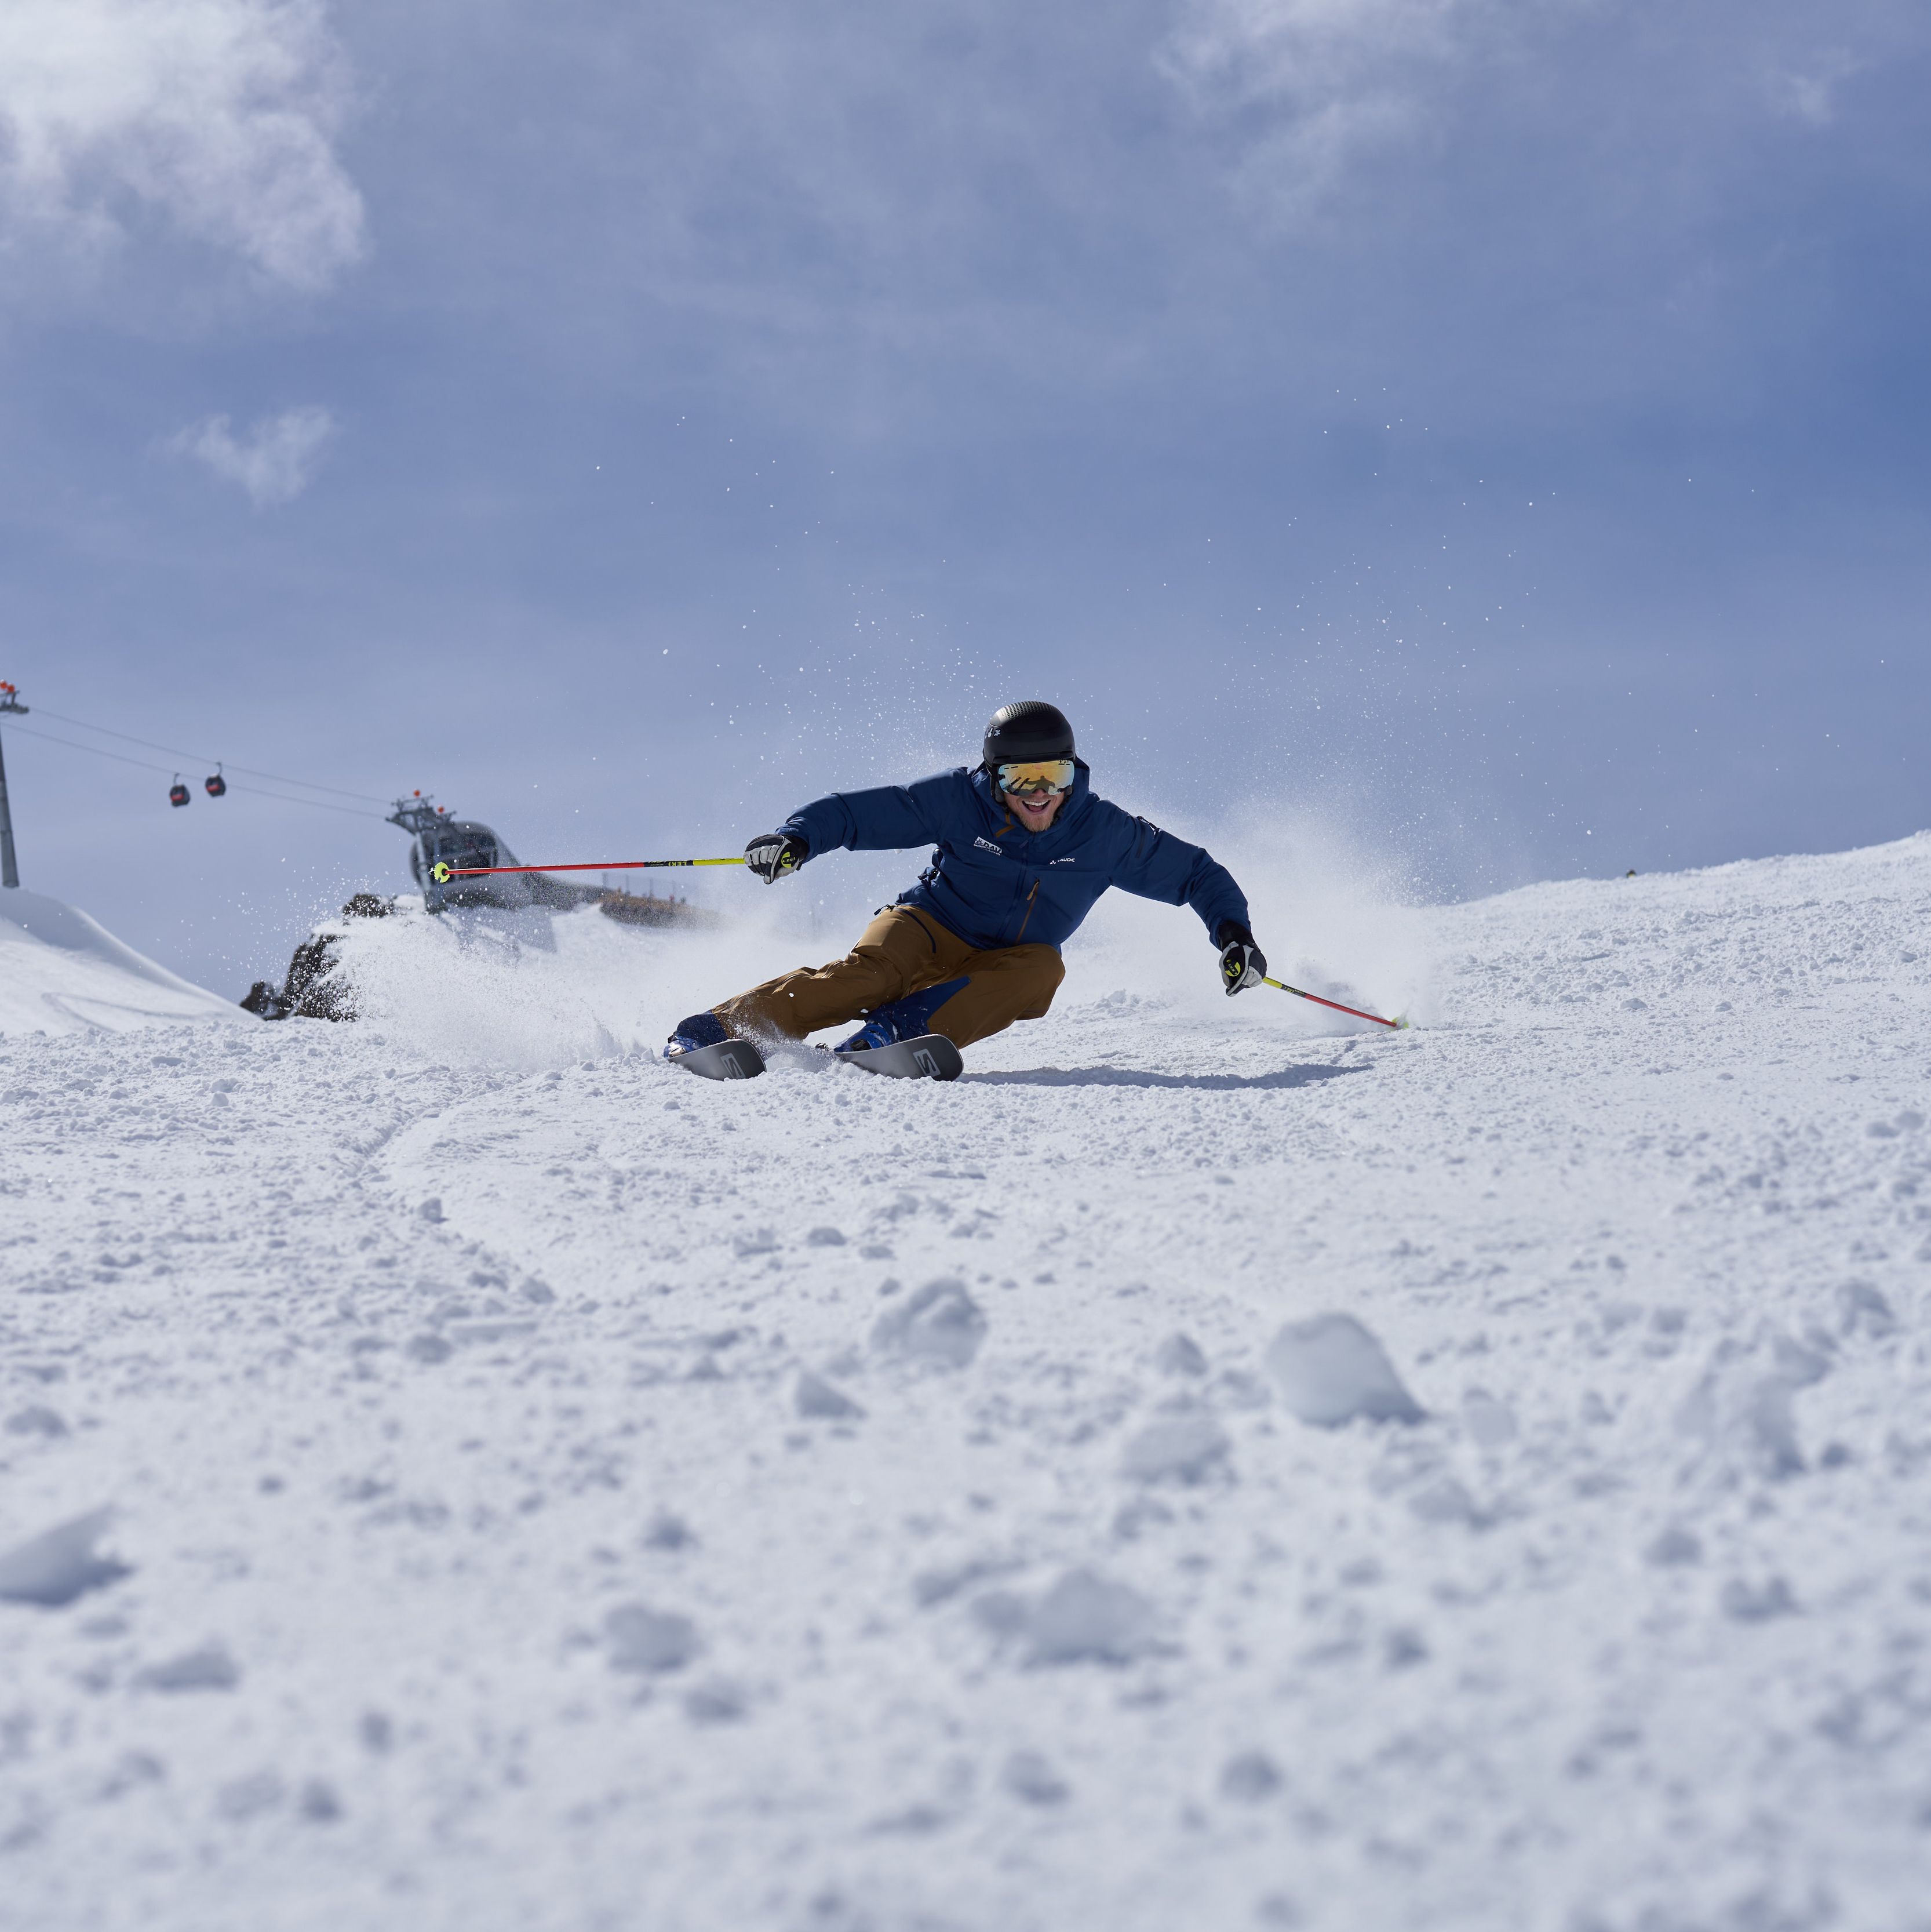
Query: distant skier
(1024, 848)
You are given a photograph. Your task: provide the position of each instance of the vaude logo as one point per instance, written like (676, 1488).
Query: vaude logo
(987, 845)
(1061, 861)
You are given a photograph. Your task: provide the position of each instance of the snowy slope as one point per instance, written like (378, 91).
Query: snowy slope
(548, 1492)
(61, 972)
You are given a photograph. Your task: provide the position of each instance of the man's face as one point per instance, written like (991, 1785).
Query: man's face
(1035, 811)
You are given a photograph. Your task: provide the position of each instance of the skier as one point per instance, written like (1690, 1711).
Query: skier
(1024, 848)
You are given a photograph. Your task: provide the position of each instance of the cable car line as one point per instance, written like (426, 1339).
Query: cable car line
(175, 751)
(147, 765)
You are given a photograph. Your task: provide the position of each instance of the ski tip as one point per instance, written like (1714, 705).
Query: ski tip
(930, 1057)
(709, 1062)
(723, 1060)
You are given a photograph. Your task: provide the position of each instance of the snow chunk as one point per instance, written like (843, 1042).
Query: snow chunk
(642, 1639)
(825, 1238)
(1447, 1500)
(1674, 1546)
(1861, 1306)
(939, 1323)
(1176, 1448)
(1773, 1429)
(1031, 1779)
(208, 1668)
(1332, 1370)
(932, 1587)
(1249, 1776)
(1757, 1602)
(1085, 1619)
(1751, 1416)
(1799, 1365)
(1489, 1424)
(316, 1803)
(667, 1530)
(718, 1700)
(1181, 1355)
(244, 1798)
(59, 1564)
(36, 1419)
(1402, 1647)
(132, 1770)
(816, 1398)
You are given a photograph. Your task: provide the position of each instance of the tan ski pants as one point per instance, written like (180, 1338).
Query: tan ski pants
(903, 951)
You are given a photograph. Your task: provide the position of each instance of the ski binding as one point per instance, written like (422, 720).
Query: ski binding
(726, 1059)
(930, 1057)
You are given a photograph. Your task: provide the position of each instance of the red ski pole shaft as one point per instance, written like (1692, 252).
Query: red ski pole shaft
(440, 872)
(1355, 1012)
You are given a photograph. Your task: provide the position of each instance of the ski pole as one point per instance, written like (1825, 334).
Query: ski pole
(442, 873)
(1356, 1011)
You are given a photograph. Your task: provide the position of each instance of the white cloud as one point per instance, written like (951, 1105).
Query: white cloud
(1310, 91)
(1321, 83)
(273, 462)
(222, 113)
(1810, 95)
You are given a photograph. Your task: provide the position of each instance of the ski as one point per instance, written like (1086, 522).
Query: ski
(930, 1057)
(727, 1060)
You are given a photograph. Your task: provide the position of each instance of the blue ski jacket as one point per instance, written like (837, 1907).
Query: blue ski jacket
(993, 883)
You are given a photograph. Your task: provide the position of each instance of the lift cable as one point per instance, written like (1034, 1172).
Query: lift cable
(145, 765)
(195, 757)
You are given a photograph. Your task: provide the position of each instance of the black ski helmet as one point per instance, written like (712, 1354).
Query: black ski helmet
(1026, 733)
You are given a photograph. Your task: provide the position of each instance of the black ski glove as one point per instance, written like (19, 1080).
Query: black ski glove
(773, 855)
(1242, 964)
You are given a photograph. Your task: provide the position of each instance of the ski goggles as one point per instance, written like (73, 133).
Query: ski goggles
(1048, 774)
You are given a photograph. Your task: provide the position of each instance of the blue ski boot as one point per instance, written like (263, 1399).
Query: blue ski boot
(700, 1029)
(908, 1018)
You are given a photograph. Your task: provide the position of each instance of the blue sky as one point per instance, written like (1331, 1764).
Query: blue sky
(1498, 426)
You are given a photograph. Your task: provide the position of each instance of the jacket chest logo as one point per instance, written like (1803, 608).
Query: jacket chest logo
(987, 845)
(1061, 861)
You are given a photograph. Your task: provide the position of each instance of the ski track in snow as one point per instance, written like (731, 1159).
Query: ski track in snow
(559, 1497)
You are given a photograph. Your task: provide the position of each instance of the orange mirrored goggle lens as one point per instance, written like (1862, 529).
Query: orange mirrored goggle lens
(1051, 775)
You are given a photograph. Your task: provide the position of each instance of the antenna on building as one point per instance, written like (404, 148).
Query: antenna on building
(10, 870)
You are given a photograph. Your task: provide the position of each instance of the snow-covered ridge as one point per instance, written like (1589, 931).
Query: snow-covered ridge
(61, 972)
(1193, 1472)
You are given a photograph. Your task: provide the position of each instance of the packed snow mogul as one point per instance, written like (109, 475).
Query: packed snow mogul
(1025, 848)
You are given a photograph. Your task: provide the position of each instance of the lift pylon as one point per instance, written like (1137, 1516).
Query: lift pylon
(9, 869)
